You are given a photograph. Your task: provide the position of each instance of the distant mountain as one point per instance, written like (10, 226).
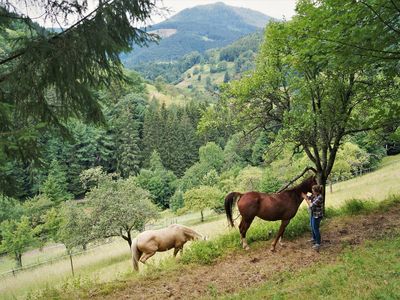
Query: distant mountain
(198, 29)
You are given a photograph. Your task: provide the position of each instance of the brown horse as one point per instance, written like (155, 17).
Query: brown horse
(270, 207)
(151, 241)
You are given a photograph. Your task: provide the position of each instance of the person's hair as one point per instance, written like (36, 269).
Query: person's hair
(317, 188)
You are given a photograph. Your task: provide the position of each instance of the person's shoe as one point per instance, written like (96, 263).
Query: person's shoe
(316, 247)
(311, 241)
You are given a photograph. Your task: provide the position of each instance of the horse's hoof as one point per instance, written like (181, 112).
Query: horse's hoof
(247, 248)
(283, 245)
(272, 249)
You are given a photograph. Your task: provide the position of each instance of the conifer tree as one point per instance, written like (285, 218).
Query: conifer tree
(55, 186)
(49, 77)
(151, 132)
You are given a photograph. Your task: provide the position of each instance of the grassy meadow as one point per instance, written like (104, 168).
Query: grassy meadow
(376, 185)
(216, 78)
(112, 261)
(361, 274)
(169, 96)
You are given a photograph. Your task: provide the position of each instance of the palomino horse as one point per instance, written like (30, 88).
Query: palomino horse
(270, 207)
(151, 241)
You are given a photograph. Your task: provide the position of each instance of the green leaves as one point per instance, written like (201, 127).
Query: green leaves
(203, 197)
(160, 182)
(308, 93)
(119, 206)
(17, 236)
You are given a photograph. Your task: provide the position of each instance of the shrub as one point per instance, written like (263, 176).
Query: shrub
(355, 207)
(203, 197)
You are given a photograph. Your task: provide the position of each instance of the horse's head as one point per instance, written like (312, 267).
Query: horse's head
(201, 237)
(307, 184)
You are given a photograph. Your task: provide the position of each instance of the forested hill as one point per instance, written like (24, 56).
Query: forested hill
(198, 29)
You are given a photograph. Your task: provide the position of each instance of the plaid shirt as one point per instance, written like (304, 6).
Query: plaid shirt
(317, 207)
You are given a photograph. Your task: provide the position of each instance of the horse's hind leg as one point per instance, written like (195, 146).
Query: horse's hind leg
(280, 242)
(280, 233)
(243, 227)
(146, 256)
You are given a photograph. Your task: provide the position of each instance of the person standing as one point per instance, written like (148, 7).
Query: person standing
(315, 202)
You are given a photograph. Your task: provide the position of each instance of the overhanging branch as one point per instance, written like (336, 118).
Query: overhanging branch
(297, 177)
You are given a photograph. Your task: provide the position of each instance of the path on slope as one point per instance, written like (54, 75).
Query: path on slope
(242, 269)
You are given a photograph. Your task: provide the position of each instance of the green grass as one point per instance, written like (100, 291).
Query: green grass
(371, 271)
(216, 78)
(377, 185)
(168, 95)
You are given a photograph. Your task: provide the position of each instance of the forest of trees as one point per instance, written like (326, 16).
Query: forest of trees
(86, 155)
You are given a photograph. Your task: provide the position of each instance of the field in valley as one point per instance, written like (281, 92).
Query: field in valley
(111, 261)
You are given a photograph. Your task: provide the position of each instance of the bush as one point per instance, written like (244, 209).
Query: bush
(203, 197)
(356, 207)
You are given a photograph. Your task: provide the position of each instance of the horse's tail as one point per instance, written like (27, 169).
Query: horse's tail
(136, 254)
(230, 199)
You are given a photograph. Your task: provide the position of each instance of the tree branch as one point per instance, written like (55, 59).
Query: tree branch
(380, 17)
(297, 177)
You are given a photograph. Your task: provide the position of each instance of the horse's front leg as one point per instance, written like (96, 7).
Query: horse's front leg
(280, 233)
(176, 250)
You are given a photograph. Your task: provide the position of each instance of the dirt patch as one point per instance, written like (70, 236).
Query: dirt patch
(242, 269)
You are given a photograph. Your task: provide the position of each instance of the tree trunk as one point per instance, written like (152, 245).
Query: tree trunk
(18, 260)
(127, 238)
(322, 180)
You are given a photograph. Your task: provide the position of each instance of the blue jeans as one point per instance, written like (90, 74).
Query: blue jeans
(314, 222)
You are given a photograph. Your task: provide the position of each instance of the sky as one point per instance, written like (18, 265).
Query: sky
(279, 9)
(274, 8)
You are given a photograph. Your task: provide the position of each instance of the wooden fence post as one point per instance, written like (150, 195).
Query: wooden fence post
(72, 264)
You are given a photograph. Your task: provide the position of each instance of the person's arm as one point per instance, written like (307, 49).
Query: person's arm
(316, 201)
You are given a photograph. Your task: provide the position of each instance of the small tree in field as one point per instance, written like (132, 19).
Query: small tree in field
(74, 227)
(17, 236)
(119, 206)
(198, 199)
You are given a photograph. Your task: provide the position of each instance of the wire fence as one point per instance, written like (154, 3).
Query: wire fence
(357, 173)
(184, 219)
(15, 271)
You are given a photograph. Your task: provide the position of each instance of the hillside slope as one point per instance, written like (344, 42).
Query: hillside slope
(198, 29)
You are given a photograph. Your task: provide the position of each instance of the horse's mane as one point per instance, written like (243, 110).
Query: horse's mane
(301, 184)
(190, 232)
